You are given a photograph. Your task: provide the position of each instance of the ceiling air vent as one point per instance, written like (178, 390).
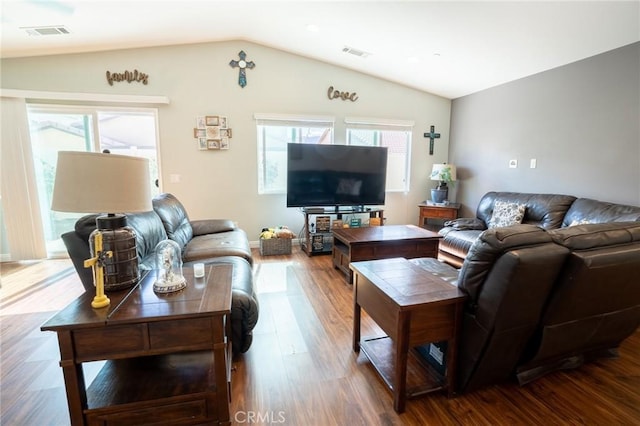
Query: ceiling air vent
(356, 52)
(45, 31)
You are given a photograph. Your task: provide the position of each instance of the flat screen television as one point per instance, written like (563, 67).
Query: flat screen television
(335, 175)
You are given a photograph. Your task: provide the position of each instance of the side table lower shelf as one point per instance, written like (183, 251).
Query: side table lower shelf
(175, 388)
(421, 378)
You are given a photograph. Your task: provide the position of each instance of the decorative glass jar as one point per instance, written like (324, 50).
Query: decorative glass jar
(169, 268)
(121, 269)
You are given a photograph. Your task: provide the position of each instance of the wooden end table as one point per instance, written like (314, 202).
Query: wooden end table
(429, 210)
(168, 355)
(414, 307)
(381, 242)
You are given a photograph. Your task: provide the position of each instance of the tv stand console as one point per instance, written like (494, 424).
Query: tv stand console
(320, 241)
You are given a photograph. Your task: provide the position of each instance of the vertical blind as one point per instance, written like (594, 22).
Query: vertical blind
(19, 194)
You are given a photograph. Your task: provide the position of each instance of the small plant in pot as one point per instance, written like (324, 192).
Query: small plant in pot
(444, 174)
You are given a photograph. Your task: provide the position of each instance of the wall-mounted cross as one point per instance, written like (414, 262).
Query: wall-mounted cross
(432, 135)
(242, 64)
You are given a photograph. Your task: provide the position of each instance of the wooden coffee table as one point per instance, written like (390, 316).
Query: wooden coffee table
(414, 307)
(381, 242)
(168, 355)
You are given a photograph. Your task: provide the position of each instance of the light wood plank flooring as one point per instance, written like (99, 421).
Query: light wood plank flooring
(301, 369)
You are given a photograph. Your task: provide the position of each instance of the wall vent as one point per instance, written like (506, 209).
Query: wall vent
(356, 52)
(45, 31)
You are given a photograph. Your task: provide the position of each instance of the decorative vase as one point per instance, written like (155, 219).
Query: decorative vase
(438, 196)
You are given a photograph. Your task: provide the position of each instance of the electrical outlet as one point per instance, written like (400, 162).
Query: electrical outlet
(175, 178)
(513, 164)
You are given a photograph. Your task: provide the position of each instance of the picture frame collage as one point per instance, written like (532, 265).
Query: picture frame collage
(212, 132)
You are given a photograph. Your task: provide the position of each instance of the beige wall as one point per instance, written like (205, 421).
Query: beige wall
(198, 81)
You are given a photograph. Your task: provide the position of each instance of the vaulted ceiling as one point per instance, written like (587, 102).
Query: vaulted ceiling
(449, 48)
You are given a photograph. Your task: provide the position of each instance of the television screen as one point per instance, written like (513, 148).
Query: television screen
(335, 175)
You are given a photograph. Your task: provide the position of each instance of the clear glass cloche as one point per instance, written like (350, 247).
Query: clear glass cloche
(169, 267)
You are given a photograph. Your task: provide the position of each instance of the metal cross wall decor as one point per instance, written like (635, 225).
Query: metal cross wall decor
(432, 135)
(242, 64)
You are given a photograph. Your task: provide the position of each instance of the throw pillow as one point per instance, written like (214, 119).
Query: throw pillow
(506, 214)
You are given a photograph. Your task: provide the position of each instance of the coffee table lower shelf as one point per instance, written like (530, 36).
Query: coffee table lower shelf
(179, 388)
(421, 377)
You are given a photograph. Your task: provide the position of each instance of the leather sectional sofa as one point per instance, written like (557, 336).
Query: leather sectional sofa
(595, 300)
(548, 211)
(544, 299)
(206, 241)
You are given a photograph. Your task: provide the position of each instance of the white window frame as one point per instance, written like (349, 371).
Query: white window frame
(96, 138)
(283, 120)
(21, 208)
(382, 124)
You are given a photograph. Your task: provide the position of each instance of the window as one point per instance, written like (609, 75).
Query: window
(274, 133)
(53, 128)
(393, 134)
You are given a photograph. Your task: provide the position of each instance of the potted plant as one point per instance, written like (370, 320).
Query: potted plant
(444, 174)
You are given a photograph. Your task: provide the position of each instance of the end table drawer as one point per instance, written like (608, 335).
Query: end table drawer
(432, 325)
(191, 333)
(441, 213)
(99, 343)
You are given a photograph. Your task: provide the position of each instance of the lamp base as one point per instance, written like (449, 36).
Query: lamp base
(121, 270)
(439, 196)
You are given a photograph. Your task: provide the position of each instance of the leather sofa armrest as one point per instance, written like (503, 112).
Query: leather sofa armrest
(244, 317)
(466, 223)
(490, 246)
(78, 248)
(212, 226)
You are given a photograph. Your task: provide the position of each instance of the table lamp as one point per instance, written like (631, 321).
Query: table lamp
(90, 182)
(444, 173)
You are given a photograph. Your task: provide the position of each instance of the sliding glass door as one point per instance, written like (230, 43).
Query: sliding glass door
(55, 128)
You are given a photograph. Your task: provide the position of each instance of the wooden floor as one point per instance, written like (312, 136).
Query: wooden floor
(301, 369)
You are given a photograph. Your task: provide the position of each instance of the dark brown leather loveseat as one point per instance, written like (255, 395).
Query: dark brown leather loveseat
(207, 241)
(548, 211)
(541, 300)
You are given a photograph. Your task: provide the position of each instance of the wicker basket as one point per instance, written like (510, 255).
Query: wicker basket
(275, 246)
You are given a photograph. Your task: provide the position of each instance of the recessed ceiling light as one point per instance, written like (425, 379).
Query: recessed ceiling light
(413, 59)
(313, 28)
(356, 52)
(46, 30)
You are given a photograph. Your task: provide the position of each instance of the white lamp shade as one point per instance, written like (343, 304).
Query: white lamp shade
(90, 182)
(438, 169)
